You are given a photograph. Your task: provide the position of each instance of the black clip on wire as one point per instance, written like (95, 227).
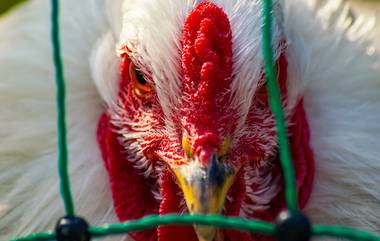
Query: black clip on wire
(292, 226)
(71, 228)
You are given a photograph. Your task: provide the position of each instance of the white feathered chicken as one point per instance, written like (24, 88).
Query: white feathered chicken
(167, 112)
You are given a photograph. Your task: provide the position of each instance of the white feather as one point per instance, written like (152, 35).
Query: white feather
(104, 65)
(151, 31)
(342, 101)
(29, 188)
(328, 62)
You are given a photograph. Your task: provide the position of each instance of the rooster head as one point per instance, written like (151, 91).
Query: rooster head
(195, 129)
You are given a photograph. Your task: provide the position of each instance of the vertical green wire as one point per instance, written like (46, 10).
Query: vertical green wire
(276, 106)
(61, 122)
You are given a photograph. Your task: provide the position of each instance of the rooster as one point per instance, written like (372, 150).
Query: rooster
(168, 113)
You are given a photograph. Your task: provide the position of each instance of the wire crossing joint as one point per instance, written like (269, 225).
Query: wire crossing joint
(71, 228)
(292, 226)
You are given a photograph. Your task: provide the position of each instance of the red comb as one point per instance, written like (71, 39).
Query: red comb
(206, 61)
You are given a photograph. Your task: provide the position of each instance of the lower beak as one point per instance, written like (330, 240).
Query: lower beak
(205, 189)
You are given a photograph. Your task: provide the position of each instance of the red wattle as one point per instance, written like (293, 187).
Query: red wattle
(131, 192)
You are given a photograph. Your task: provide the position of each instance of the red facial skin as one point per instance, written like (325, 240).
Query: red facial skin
(206, 116)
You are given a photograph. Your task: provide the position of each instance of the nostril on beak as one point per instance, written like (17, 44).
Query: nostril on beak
(205, 154)
(217, 172)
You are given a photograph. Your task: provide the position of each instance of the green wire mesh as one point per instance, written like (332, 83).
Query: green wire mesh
(147, 222)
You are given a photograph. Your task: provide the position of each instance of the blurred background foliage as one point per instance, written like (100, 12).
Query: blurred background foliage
(7, 4)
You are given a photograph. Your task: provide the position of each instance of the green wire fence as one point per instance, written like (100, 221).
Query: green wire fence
(254, 226)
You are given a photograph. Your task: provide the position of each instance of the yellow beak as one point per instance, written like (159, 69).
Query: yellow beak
(205, 189)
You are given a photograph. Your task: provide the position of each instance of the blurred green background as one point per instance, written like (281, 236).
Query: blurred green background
(7, 4)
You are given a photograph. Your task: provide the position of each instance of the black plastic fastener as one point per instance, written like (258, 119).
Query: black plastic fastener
(71, 228)
(292, 226)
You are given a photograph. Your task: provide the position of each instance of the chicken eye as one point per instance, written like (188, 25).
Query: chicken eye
(140, 86)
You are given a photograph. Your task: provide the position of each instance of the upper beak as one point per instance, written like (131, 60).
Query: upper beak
(205, 189)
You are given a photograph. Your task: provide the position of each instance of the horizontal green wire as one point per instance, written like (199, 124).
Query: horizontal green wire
(253, 226)
(172, 219)
(343, 232)
(37, 237)
(276, 106)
